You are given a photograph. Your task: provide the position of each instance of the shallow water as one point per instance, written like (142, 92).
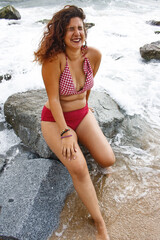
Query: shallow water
(129, 198)
(128, 195)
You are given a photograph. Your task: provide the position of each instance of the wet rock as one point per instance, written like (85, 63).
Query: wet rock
(25, 119)
(32, 197)
(2, 124)
(150, 51)
(89, 25)
(23, 112)
(14, 23)
(9, 12)
(44, 21)
(154, 22)
(7, 76)
(106, 111)
(7, 238)
(116, 56)
(1, 78)
(2, 164)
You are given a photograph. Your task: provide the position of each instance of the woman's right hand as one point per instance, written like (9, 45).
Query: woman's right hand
(69, 146)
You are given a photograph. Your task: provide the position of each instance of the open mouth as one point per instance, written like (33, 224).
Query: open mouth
(76, 40)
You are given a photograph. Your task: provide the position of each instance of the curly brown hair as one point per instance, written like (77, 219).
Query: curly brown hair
(52, 41)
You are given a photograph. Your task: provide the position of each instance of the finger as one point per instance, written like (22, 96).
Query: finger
(68, 153)
(74, 147)
(73, 153)
(64, 152)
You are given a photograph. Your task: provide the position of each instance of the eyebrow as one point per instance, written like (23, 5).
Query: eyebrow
(72, 27)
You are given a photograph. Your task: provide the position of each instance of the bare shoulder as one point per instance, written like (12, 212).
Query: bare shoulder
(52, 68)
(53, 64)
(94, 54)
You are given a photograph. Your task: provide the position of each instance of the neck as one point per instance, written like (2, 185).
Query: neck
(73, 54)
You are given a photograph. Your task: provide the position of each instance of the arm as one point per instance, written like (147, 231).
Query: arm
(51, 74)
(87, 95)
(95, 57)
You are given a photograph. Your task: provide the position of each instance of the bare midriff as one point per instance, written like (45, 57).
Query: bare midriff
(72, 102)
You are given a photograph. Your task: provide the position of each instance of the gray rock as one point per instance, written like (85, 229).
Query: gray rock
(23, 112)
(9, 12)
(44, 21)
(7, 76)
(32, 196)
(89, 25)
(2, 237)
(150, 51)
(154, 22)
(106, 112)
(2, 164)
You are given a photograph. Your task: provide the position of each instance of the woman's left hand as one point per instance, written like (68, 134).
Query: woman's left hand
(69, 147)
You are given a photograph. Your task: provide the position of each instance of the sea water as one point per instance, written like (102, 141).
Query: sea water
(120, 30)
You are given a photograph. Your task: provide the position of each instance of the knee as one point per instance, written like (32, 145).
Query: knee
(108, 160)
(79, 171)
(111, 159)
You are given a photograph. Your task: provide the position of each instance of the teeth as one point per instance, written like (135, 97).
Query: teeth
(76, 40)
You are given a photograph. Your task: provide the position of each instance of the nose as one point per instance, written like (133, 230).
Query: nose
(76, 31)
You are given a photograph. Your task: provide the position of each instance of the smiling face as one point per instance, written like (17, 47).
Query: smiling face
(75, 34)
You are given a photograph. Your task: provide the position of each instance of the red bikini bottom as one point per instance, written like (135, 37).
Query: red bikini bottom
(72, 118)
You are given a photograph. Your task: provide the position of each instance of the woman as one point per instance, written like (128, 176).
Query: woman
(68, 69)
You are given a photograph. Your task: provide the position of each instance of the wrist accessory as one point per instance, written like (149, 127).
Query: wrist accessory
(64, 131)
(66, 136)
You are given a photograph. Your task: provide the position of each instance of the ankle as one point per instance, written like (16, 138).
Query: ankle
(100, 224)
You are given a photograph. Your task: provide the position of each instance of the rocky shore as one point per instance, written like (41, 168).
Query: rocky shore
(34, 189)
(148, 51)
(35, 184)
(151, 51)
(9, 12)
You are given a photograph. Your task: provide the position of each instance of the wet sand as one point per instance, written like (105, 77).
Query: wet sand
(130, 206)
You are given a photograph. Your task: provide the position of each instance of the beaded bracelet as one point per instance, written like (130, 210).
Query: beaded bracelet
(66, 136)
(64, 131)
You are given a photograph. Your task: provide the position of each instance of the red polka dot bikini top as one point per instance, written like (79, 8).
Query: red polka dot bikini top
(66, 84)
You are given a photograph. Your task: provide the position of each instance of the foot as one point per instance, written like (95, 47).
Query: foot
(102, 233)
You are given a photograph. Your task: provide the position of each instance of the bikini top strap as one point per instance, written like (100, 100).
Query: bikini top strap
(84, 50)
(66, 60)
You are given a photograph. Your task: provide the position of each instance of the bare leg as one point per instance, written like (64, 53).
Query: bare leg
(90, 134)
(97, 144)
(80, 175)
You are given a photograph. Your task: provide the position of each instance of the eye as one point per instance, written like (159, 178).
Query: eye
(71, 29)
(80, 28)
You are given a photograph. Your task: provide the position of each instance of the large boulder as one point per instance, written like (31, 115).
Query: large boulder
(23, 112)
(32, 196)
(150, 51)
(9, 12)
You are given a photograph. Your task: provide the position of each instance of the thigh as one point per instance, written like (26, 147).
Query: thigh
(51, 135)
(90, 135)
